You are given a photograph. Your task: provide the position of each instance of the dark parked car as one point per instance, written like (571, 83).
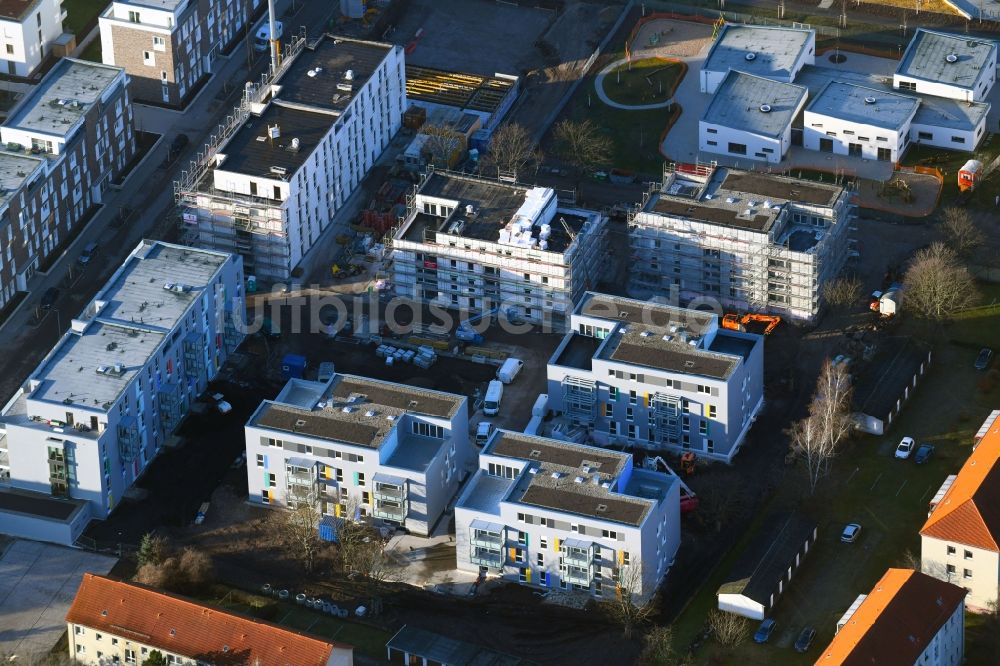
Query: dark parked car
(984, 358)
(923, 454)
(805, 639)
(49, 298)
(764, 631)
(178, 144)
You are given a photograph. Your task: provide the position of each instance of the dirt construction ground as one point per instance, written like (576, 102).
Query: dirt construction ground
(666, 37)
(546, 48)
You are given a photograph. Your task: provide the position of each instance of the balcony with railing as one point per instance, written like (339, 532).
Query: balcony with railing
(582, 557)
(487, 539)
(578, 575)
(486, 557)
(392, 510)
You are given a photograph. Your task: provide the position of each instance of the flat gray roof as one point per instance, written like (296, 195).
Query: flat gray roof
(252, 152)
(574, 478)
(853, 103)
(749, 103)
(138, 312)
(774, 49)
(317, 78)
(63, 96)
(14, 170)
(165, 5)
(933, 110)
(359, 411)
(654, 347)
(74, 374)
(439, 649)
(955, 60)
(634, 311)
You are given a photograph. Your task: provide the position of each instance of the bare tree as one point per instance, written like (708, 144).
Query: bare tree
(440, 146)
(582, 144)
(626, 607)
(153, 549)
(512, 150)
(372, 562)
(729, 629)
(961, 232)
(300, 525)
(937, 285)
(817, 438)
(185, 571)
(842, 292)
(658, 649)
(910, 560)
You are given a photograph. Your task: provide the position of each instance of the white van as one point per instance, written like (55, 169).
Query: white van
(483, 432)
(494, 393)
(262, 38)
(509, 370)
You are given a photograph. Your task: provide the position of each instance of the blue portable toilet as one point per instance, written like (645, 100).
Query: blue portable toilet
(293, 366)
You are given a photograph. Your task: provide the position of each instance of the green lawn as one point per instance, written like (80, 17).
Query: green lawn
(888, 497)
(80, 12)
(92, 52)
(366, 639)
(645, 81)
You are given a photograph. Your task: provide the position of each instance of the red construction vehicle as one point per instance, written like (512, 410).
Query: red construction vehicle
(735, 322)
(687, 463)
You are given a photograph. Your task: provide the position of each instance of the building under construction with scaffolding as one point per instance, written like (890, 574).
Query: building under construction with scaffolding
(494, 247)
(270, 181)
(753, 242)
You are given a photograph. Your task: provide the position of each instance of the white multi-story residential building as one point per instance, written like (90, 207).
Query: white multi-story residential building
(64, 144)
(751, 116)
(556, 514)
(958, 543)
(101, 404)
(947, 65)
(28, 29)
(360, 447)
(118, 622)
(297, 149)
(482, 245)
(746, 240)
(169, 46)
(908, 618)
(770, 52)
(657, 377)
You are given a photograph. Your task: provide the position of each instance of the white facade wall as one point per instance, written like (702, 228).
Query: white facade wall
(93, 647)
(315, 193)
(947, 648)
(843, 134)
(534, 284)
(952, 139)
(27, 42)
(532, 552)
(342, 476)
(735, 143)
(716, 414)
(975, 569)
(98, 472)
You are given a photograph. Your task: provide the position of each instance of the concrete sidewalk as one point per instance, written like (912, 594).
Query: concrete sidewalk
(149, 191)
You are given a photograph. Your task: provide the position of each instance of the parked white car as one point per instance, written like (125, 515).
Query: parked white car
(905, 448)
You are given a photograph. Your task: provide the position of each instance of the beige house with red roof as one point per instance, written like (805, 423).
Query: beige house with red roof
(907, 618)
(960, 542)
(113, 621)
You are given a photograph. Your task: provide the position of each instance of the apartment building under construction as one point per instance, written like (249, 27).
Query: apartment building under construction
(270, 182)
(494, 247)
(750, 241)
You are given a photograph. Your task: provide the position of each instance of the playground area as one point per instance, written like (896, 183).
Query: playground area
(642, 83)
(907, 193)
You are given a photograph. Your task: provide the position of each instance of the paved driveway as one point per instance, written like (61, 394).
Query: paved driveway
(37, 584)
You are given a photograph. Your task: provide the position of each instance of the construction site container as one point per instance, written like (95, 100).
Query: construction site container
(414, 117)
(293, 366)
(969, 174)
(328, 529)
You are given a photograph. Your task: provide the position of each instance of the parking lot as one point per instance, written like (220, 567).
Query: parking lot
(37, 584)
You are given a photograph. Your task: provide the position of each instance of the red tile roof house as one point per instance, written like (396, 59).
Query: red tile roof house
(908, 618)
(116, 621)
(960, 542)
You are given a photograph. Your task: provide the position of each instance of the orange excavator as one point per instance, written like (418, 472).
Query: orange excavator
(736, 322)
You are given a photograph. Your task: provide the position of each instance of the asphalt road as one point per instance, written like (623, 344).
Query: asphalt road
(148, 191)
